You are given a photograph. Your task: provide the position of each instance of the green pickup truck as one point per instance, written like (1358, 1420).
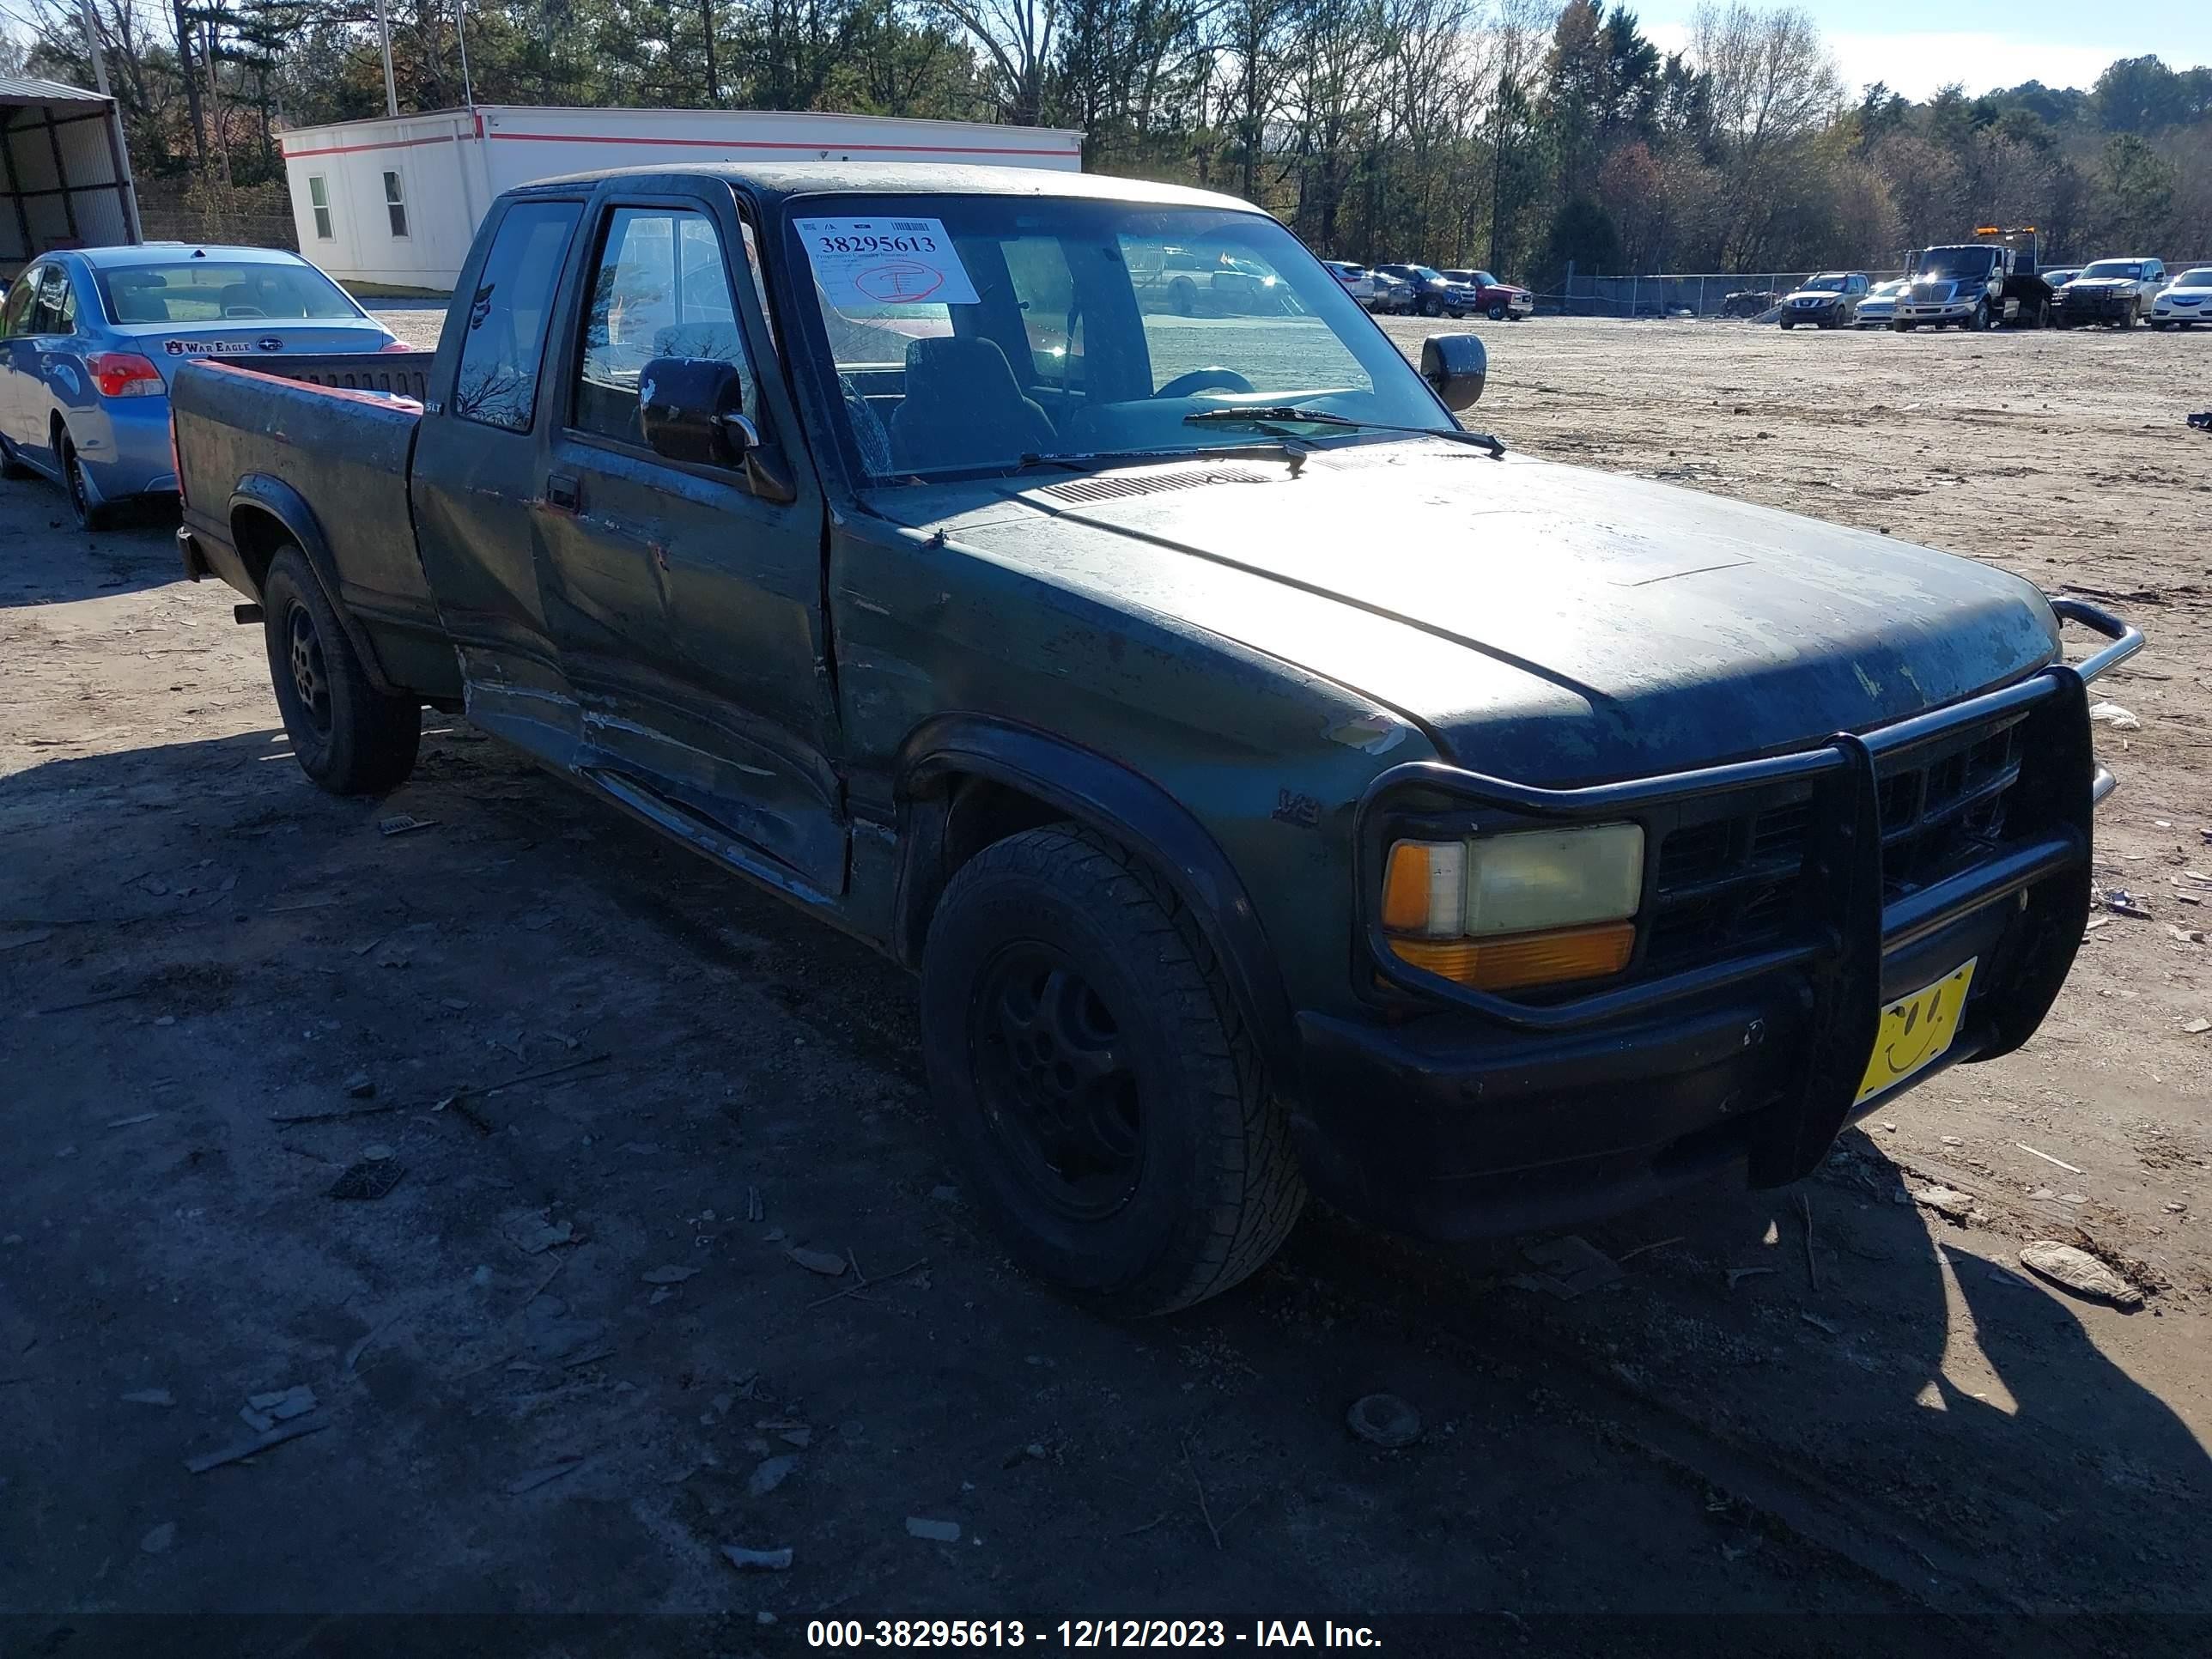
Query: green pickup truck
(1275, 786)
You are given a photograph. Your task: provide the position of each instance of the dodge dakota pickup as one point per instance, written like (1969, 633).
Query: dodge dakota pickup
(1276, 787)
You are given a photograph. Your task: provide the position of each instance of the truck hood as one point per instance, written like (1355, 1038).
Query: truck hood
(2093, 284)
(1538, 622)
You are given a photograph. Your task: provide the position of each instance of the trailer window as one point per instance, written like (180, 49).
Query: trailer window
(319, 198)
(509, 313)
(395, 204)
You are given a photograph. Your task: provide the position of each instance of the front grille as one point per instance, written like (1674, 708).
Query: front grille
(1728, 884)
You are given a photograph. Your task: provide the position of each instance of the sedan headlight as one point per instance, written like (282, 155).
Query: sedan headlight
(1533, 907)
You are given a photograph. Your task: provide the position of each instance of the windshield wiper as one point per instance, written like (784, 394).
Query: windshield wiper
(1268, 417)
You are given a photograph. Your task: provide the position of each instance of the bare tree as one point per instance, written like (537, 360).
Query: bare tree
(1017, 37)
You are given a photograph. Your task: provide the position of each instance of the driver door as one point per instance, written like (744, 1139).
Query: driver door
(685, 599)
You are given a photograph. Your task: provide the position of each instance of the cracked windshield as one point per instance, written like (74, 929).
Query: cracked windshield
(975, 335)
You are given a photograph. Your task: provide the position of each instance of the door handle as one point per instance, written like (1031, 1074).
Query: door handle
(565, 491)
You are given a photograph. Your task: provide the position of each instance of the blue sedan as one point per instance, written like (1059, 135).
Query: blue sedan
(89, 339)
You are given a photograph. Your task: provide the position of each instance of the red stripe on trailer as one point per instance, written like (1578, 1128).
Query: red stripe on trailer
(764, 144)
(355, 149)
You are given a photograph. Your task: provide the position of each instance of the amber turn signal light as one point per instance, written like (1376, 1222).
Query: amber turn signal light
(1515, 962)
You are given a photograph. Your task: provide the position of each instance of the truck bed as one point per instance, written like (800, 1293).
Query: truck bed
(320, 446)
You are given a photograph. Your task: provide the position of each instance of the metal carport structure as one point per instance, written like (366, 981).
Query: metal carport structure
(64, 172)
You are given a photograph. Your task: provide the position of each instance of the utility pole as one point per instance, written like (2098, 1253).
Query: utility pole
(461, 30)
(714, 82)
(384, 30)
(92, 48)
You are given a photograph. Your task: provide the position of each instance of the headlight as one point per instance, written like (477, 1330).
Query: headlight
(1530, 908)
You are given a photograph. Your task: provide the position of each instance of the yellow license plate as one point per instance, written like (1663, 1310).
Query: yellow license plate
(1916, 1031)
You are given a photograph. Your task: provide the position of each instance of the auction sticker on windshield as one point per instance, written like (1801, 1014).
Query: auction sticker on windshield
(885, 262)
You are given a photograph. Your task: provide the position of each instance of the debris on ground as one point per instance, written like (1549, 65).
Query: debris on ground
(2076, 1270)
(403, 824)
(760, 1560)
(1569, 1265)
(1821, 1324)
(531, 1479)
(829, 1266)
(1384, 1421)
(262, 1411)
(532, 1233)
(1948, 1201)
(126, 1123)
(371, 1178)
(150, 1397)
(668, 1275)
(2185, 935)
(2198, 1026)
(158, 1540)
(937, 1532)
(2047, 1157)
(360, 1086)
(239, 1450)
(769, 1474)
(2122, 903)
(1736, 1274)
(2111, 714)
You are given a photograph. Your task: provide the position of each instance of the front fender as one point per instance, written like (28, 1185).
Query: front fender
(1103, 795)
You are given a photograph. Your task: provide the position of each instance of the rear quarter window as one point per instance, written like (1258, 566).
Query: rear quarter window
(504, 339)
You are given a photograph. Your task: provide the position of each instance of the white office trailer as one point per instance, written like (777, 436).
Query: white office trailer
(395, 203)
(65, 175)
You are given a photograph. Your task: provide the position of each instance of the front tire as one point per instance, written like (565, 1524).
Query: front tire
(348, 737)
(1095, 1080)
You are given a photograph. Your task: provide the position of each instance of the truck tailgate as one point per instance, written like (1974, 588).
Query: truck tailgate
(337, 456)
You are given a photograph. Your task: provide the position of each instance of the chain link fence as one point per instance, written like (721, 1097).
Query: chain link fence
(1680, 294)
(253, 215)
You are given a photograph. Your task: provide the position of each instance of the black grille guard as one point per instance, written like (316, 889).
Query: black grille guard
(1843, 858)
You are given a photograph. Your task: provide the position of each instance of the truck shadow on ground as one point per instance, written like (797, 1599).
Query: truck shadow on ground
(1934, 1430)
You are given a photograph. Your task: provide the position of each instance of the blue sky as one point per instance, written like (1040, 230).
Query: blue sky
(1918, 46)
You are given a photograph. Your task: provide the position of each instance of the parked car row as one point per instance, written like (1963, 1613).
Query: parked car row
(1408, 290)
(90, 340)
(1979, 285)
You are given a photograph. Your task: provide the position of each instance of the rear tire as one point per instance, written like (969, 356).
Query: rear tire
(91, 516)
(1095, 1080)
(348, 737)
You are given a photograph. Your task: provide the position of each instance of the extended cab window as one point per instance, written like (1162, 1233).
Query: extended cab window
(510, 313)
(660, 289)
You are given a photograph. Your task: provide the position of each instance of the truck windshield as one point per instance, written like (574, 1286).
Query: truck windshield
(1825, 285)
(216, 291)
(1954, 263)
(979, 334)
(2129, 269)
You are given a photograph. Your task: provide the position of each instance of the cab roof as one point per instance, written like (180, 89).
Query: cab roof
(770, 183)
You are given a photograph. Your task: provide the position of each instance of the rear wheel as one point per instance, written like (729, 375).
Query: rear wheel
(348, 737)
(1095, 1080)
(92, 514)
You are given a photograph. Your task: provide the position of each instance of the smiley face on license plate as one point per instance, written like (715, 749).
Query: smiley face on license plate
(1916, 1031)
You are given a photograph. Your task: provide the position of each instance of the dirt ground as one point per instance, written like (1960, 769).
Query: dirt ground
(566, 1359)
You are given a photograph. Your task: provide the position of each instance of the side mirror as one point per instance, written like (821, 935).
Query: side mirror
(692, 409)
(1455, 365)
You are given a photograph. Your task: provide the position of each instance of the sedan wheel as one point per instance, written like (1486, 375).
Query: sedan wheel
(91, 515)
